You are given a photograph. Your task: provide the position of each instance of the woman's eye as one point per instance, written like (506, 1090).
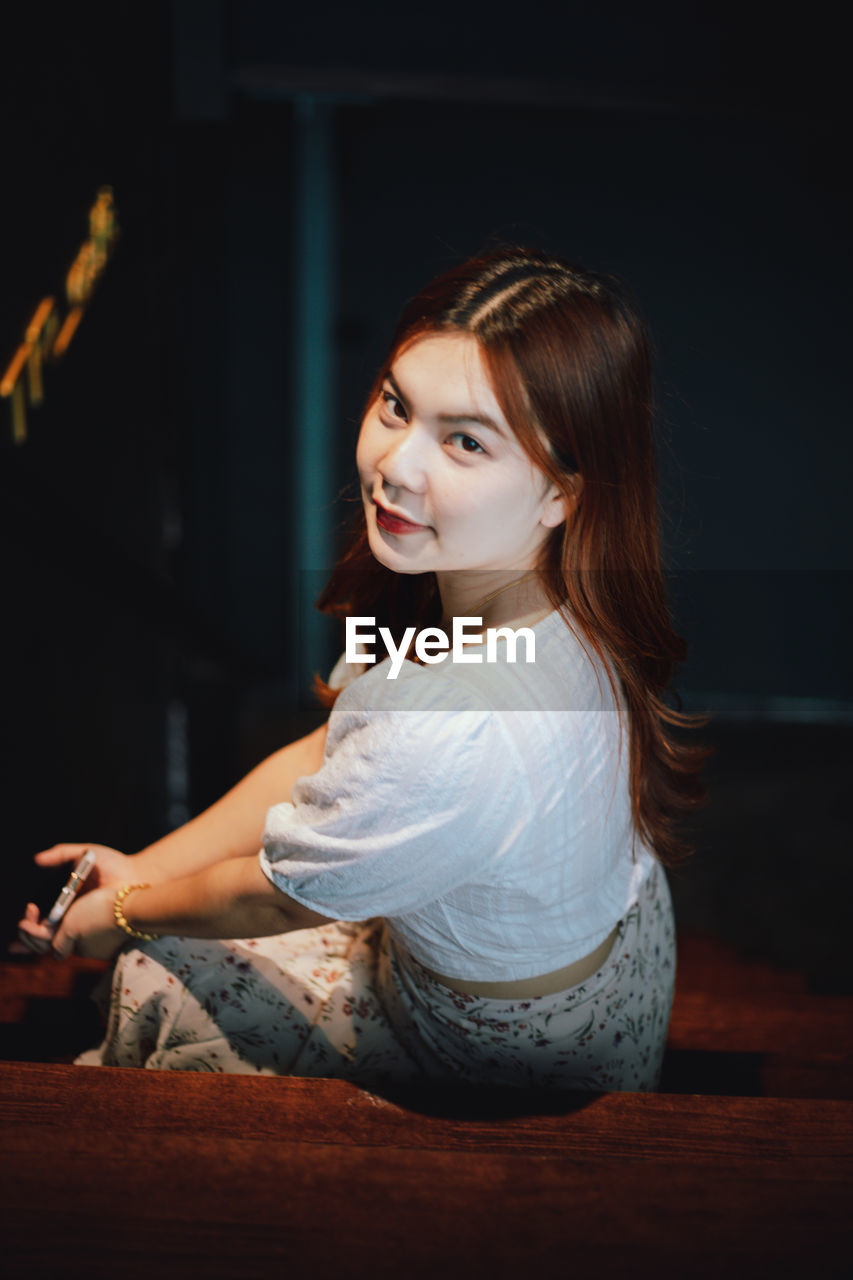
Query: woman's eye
(391, 401)
(466, 443)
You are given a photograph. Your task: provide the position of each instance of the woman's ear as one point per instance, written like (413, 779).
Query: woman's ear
(558, 506)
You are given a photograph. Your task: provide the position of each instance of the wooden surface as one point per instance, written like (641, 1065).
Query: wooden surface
(145, 1173)
(740, 1167)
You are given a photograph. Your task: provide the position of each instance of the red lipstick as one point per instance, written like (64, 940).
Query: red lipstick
(396, 524)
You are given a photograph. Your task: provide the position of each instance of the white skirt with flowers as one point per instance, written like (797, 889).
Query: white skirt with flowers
(343, 1001)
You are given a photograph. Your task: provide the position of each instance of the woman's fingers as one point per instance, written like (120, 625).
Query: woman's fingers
(35, 935)
(60, 853)
(111, 865)
(89, 928)
(32, 921)
(40, 937)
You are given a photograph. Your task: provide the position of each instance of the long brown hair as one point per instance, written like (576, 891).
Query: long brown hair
(569, 362)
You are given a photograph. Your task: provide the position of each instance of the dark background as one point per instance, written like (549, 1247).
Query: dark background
(153, 607)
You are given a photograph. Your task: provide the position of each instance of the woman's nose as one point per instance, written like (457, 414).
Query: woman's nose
(404, 464)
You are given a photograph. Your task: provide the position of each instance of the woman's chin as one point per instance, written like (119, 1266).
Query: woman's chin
(390, 555)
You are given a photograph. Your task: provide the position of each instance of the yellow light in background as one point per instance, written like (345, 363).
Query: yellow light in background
(12, 386)
(93, 253)
(39, 336)
(45, 338)
(67, 332)
(12, 374)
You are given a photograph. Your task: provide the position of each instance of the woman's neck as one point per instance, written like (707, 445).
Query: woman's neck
(498, 597)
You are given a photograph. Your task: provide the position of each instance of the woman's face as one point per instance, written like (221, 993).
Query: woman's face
(445, 483)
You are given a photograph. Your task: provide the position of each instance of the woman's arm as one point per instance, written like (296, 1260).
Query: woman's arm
(234, 825)
(230, 828)
(232, 899)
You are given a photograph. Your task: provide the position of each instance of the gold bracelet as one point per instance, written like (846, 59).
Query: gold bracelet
(120, 918)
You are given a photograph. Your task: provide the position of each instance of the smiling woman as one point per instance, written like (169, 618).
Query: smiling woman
(461, 876)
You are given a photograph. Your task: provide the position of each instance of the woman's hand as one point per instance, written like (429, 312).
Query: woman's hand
(88, 929)
(112, 869)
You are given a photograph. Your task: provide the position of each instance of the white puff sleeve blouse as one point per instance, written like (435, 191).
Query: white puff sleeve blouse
(482, 809)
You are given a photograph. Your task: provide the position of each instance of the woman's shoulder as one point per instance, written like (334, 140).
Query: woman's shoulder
(546, 667)
(436, 737)
(379, 689)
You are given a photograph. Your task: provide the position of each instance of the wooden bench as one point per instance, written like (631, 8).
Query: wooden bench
(135, 1173)
(138, 1173)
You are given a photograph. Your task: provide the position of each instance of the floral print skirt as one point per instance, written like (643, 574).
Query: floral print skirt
(342, 1000)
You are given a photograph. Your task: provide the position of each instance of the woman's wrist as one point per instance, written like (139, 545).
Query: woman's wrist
(121, 919)
(149, 866)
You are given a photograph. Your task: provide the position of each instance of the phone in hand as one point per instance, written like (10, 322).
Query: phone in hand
(69, 892)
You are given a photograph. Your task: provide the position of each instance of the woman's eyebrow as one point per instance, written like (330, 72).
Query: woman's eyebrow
(482, 419)
(453, 419)
(389, 377)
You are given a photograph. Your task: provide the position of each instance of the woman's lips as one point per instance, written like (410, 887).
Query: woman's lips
(396, 524)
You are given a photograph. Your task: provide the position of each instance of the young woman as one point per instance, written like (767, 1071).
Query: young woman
(461, 875)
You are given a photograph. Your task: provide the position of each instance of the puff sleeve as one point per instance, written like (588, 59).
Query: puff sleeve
(416, 796)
